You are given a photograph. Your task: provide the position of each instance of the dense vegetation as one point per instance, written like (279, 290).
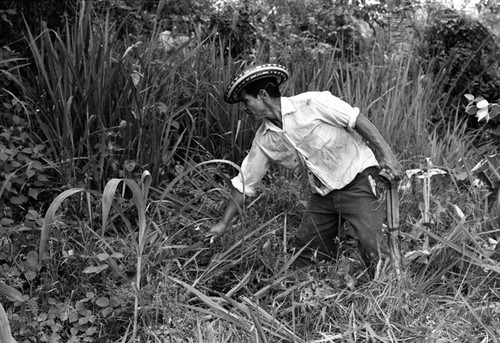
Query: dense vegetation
(116, 150)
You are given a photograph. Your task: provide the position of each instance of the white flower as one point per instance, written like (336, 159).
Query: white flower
(482, 104)
(482, 113)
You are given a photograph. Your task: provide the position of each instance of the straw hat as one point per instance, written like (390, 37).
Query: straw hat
(251, 74)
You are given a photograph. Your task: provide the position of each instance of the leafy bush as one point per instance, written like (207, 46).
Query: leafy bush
(466, 55)
(104, 108)
(24, 169)
(235, 30)
(15, 16)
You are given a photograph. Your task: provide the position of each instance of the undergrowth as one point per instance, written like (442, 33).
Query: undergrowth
(241, 288)
(105, 262)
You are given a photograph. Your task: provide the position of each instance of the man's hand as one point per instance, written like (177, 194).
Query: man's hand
(234, 204)
(216, 230)
(390, 161)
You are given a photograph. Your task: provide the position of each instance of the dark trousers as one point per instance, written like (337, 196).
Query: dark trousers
(357, 203)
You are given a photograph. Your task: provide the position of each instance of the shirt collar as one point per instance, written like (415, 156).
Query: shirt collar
(286, 108)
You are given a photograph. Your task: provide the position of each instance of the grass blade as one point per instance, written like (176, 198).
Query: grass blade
(49, 217)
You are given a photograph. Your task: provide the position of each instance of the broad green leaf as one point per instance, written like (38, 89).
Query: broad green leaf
(107, 199)
(64, 314)
(471, 109)
(5, 333)
(129, 165)
(80, 306)
(140, 203)
(7, 184)
(95, 269)
(102, 256)
(494, 110)
(33, 193)
(469, 97)
(73, 316)
(90, 331)
(30, 275)
(10, 292)
(42, 178)
(21, 180)
(15, 164)
(19, 199)
(32, 258)
(102, 302)
(106, 311)
(49, 217)
(30, 173)
(36, 165)
(6, 222)
(32, 215)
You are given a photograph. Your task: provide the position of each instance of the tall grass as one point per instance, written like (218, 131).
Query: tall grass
(103, 105)
(241, 288)
(394, 91)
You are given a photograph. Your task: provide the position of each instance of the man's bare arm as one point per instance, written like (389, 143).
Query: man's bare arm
(234, 204)
(370, 133)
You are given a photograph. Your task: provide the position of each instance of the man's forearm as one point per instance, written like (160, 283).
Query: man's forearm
(370, 133)
(235, 203)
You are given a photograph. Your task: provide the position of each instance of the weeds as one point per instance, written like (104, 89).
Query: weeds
(112, 110)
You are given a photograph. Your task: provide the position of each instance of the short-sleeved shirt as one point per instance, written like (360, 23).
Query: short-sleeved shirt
(317, 135)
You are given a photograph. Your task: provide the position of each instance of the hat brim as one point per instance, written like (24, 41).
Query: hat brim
(252, 74)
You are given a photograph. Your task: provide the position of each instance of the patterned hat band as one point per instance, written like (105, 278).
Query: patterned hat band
(252, 74)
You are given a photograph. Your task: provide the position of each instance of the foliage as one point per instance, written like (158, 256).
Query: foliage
(489, 11)
(105, 103)
(14, 13)
(139, 195)
(110, 103)
(481, 108)
(465, 52)
(24, 169)
(235, 31)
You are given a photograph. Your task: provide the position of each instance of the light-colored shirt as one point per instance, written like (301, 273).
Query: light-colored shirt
(318, 135)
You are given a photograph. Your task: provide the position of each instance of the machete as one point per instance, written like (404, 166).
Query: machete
(392, 203)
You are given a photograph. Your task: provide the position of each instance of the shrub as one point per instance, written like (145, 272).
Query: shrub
(23, 167)
(466, 54)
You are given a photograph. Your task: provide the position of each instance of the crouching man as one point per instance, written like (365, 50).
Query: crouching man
(326, 137)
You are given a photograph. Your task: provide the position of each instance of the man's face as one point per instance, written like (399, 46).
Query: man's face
(254, 107)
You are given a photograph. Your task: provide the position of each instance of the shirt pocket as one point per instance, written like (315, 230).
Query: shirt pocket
(324, 140)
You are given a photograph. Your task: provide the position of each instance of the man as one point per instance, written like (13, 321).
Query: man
(324, 136)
